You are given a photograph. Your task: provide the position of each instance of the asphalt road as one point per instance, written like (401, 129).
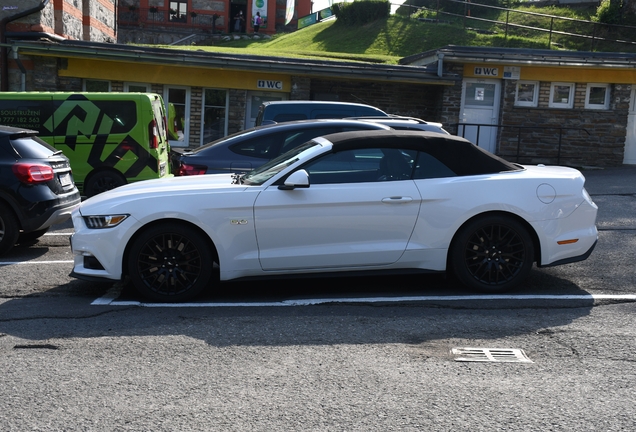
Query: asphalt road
(376, 356)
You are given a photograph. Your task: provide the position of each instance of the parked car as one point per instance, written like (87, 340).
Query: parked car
(110, 138)
(290, 110)
(367, 201)
(249, 149)
(36, 187)
(405, 123)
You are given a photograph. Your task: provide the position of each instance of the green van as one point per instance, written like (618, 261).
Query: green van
(110, 138)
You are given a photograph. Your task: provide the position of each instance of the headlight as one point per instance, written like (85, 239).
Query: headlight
(96, 222)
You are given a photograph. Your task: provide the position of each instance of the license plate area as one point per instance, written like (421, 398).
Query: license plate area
(65, 180)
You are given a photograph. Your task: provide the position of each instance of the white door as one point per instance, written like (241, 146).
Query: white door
(480, 108)
(630, 138)
(356, 212)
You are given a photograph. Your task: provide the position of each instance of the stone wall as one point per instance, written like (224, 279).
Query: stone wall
(574, 137)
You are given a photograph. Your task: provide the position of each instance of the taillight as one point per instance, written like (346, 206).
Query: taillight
(187, 170)
(32, 173)
(154, 135)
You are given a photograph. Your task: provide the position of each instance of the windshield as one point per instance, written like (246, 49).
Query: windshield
(265, 172)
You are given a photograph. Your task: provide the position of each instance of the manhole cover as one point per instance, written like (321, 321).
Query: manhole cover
(500, 355)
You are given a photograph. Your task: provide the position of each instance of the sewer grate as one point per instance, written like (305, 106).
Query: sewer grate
(499, 355)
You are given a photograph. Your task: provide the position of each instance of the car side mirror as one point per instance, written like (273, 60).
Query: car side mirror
(298, 179)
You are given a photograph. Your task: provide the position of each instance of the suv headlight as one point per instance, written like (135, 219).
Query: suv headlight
(98, 222)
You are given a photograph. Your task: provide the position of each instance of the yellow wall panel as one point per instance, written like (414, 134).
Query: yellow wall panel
(175, 75)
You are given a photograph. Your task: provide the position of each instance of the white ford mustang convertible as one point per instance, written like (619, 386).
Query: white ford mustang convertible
(348, 202)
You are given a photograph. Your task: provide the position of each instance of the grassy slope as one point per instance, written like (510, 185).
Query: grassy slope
(383, 41)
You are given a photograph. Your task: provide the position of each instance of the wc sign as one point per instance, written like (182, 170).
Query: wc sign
(486, 71)
(269, 85)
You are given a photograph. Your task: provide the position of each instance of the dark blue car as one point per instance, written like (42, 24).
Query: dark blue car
(249, 149)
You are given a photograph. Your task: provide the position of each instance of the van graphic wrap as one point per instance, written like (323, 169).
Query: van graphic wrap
(97, 131)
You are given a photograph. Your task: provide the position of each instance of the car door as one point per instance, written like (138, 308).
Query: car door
(353, 214)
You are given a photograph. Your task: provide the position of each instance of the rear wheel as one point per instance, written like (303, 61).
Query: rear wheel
(170, 262)
(103, 181)
(9, 229)
(492, 254)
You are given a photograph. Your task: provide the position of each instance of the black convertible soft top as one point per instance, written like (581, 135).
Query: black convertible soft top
(458, 154)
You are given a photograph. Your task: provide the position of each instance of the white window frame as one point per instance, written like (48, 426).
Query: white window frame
(186, 120)
(535, 95)
(559, 104)
(605, 104)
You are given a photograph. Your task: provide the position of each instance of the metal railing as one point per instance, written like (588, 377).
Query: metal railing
(522, 132)
(590, 31)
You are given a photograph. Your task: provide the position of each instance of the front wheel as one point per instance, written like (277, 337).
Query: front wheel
(170, 262)
(492, 254)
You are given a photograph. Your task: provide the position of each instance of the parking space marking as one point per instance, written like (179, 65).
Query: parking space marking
(8, 263)
(110, 299)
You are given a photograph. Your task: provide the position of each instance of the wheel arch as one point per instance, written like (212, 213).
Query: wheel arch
(9, 205)
(98, 171)
(149, 225)
(529, 228)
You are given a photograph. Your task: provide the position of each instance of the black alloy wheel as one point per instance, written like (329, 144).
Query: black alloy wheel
(9, 229)
(492, 253)
(170, 262)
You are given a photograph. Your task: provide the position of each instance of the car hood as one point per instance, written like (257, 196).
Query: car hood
(164, 188)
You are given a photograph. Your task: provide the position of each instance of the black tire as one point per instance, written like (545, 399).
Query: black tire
(492, 254)
(9, 229)
(170, 262)
(31, 236)
(103, 181)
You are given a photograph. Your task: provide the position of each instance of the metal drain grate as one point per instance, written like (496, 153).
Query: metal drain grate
(499, 355)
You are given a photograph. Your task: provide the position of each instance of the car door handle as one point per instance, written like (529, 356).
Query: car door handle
(397, 200)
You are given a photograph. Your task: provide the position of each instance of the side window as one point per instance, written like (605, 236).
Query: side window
(96, 86)
(122, 113)
(28, 114)
(265, 147)
(362, 165)
(428, 167)
(85, 117)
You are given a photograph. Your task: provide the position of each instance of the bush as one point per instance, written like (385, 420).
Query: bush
(361, 12)
(609, 12)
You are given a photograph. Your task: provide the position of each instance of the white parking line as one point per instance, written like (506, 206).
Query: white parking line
(8, 263)
(110, 299)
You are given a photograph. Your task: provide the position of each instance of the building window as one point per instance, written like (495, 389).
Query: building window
(597, 96)
(136, 87)
(561, 95)
(96, 86)
(177, 102)
(527, 93)
(178, 11)
(214, 124)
